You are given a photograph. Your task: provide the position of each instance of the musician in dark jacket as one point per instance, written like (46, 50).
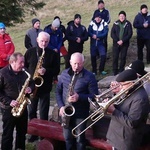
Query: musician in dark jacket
(129, 117)
(84, 86)
(121, 34)
(12, 78)
(48, 69)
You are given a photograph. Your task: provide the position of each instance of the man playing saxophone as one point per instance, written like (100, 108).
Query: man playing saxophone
(12, 79)
(85, 86)
(46, 66)
(128, 117)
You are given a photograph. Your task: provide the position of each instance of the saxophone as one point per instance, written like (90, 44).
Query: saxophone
(69, 110)
(22, 99)
(36, 77)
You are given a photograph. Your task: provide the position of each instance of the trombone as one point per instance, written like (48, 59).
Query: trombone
(101, 110)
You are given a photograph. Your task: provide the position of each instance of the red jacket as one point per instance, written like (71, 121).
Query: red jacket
(6, 49)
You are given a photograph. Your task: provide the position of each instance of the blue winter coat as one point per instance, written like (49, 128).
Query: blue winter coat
(56, 38)
(100, 30)
(85, 86)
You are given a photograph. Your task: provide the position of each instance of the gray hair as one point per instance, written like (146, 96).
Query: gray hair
(77, 54)
(42, 33)
(14, 56)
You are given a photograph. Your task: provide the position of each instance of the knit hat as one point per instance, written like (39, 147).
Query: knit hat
(127, 75)
(100, 1)
(34, 21)
(97, 14)
(77, 16)
(143, 6)
(122, 12)
(138, 66)
(2, 26)
(56, 23)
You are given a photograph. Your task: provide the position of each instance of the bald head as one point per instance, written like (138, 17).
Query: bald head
(77, 61)
(43, 39)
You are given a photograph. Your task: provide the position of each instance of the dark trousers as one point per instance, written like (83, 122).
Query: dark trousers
(9, 123)
(98, 51)
(119, 52)
(73, 143)
(44, 103)
(106, 43)
(140, 44)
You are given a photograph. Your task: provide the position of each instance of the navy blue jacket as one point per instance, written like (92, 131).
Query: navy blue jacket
(56, 38)
(100, 30)
(126, 35)
(72, 32)
(85, 86)
(104, 14)
(142, 33)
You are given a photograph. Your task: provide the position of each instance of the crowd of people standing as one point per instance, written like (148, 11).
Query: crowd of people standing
(43, 50)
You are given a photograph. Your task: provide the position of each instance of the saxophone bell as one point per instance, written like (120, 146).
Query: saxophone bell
(69, 111)
(38, 81)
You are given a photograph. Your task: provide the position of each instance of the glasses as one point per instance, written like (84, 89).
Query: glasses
(2, 28)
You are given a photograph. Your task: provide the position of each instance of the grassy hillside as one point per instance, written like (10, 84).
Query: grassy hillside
(66, 10)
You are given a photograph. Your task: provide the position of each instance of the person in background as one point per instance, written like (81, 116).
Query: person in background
(32, 34)
(105, 16)
(129, 117)
(62, 29)
(56, 35)
(6, 46)
(56, 38)
(63, 51)
(84, 87)
(76, 35)
(12, 78)
(121, 34)
(98, 30)
(47, 69)
(142, 24)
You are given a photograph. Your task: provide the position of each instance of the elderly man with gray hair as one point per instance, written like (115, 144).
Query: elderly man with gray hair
(48, 69)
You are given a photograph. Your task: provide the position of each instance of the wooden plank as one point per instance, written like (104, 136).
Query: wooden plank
(54, 131)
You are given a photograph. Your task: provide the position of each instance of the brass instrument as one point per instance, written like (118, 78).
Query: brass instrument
(69, 110)
(117, 99)
(36, 77)
(22, 99)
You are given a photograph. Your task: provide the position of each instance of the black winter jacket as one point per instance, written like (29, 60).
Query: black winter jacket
(72, 32)
(11, 85)
(50, 63)
(127, 32)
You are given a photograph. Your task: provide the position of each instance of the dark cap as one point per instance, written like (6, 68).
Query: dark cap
(122, 12)
(138, 66)
(100, 1)
(143, 6)
(56, 17)
(97, 14)
(34, 21)
(127, 75)
(77, 16)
